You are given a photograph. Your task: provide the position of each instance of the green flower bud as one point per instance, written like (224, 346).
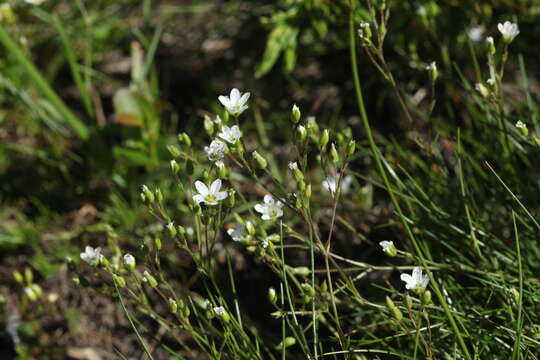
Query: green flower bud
(222, 171)
(250, 228)
(272, 296)
(175, 168)
(150, 279)
(491, 46)
(37, 290)
(18, 277)
(148, 194)
(408, 301)
(295, 114)
(396, 313)
(426, 297)
(172, 229)
(159, 195)
(522, 128)
(307, 192)
(301, 270)
(157, 243)
(174, 151)
(351, 147)
(30, 294)
(287, 342)
(334, 156)
(208, 125)
(301, 133)
(308, 289)
(173, 306)
(119, 281)
(482, 89)
(260, 160)
(231, 199)
(325, 137)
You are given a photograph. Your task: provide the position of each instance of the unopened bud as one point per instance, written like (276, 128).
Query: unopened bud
(287, 342)
(301, 133)
(522, 128)
(491, 45)
(129, 262)
(119, 281)
(150, 279)
(231, 199)
(175, 168)
(351, 147)
(334, 156)
(396, 313)
(301, 270)
(260, 160)
(157, 243)
(482, 90)
(208, 125)
(250, 228)
(174, 151)
(148, 195)
(325, 137)
(172, 229)
(173, 306)
(272, 296)
(295, 114)
(18, 277)
(426, 297)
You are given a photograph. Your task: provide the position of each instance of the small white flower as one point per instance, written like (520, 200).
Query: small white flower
(330, 184)
(217, 120)
(209, 195)
(388, 247)
(235, 103)
(216, 150)
(521, 125)
(230, 134)
(270, 209)
(91, 255)
(219, 310)
(432, 66)
(293, 166)
(491, 81)
(129, 260)
(364, 30)
(490, 40)
(417, 282)
(508, 30)
(475, 33)
(238, 233)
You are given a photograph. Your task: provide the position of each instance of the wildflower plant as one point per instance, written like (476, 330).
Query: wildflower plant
(291, 213)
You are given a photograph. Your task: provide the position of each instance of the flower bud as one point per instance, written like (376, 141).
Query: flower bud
(172, 229)
(396, 313)
(250, 228)
(18, 277)
(432, 70)
(307, 192)
(157, 243)
(351, 147)
(149, 279)
(272, 296)
(220, 312)
(295, 114)
(174, 151)
(208, 125)
(30, 294)
(129, 262)
(119, 281)
(491, 45)
(37, 290)
(103, 261)
(148, 194)
(301, 270)
(522, 128)
(334, 156)
(482, 89)
(308, 289)
(364, 32)
(288, 341)
(325, 137)
(301, 133)
(221, 170)
(231, 199)
(426, 297)
(173, 306)
(408, 301)
(159, 195)
(175, 168)
(260, 160)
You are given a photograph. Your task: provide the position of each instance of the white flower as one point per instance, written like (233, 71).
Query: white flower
(508, 30)
(216, 150)
(475, 33)
(388, 247)
(230, 134)
(417, 282)
(490, 41)
(209, 196)
(219, 310)
(293, 165)
(235, 103)
(217, 120)
(432, 66)
(238, 232)
(520, 125)
(364, 30)
(91, 255)
(129, 260)
(491, 81)
(270, 209)
(330, 184)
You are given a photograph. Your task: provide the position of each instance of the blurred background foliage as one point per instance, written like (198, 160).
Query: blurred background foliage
(133, 74)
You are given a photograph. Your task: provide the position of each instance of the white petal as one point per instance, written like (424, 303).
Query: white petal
(260, 208)
(201, 188)
(235, 96)
(222, 195)
(224, 100)
(268, 199)
(198, 198)
(244, 98)
(417, 274)
(216, 185)
(406, 278)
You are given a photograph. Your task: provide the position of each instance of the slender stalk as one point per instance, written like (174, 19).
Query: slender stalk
(382, 171)
(78, 126)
